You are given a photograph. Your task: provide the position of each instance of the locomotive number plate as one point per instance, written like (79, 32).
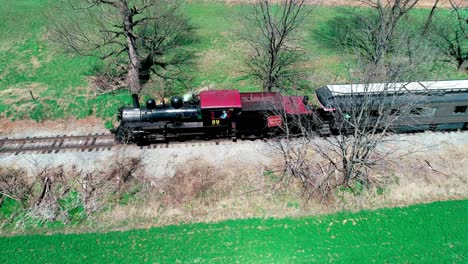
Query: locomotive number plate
(215, 122)
(275, 121)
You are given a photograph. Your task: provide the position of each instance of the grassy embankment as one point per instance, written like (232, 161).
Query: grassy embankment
(29, 62)
(427, 233)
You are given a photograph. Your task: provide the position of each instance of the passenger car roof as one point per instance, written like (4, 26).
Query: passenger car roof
(402, 87)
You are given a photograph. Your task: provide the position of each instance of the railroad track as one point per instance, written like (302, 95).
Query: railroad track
(91, 142)
(55, 144)
(99, 142)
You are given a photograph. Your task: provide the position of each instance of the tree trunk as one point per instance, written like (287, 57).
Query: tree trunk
(347, 170)
(429, 19)
(463, 66)
(267, 84)
(134, 65)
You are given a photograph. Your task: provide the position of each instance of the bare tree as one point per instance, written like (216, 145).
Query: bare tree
(360, 117)
(271, 25)
(460, 8)
(390, 12)
(376, 34)
(450, 34)
(361, 144)
(137, 38)
(429, 18)
(380, 32)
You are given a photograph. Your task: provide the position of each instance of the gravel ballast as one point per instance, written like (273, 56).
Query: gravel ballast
(163, 162)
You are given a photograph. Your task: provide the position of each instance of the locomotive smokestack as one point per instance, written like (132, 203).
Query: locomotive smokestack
(136, 103)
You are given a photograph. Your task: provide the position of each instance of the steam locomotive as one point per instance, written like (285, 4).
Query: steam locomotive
(211, 114)
(231, 114)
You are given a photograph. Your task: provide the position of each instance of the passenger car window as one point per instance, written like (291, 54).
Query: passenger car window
(426, 111)
(460, 109)
(416, 111)
(430, 111)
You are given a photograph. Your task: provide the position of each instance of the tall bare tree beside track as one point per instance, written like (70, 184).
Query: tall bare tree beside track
(450, 35)
(375, 34)
(136, 38)
(390, 13)
(270, 29)
(361, 120)
(429, 19)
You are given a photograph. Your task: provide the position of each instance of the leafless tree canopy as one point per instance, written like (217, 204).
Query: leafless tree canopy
(360, 144)
(383, 31)
(390, 12)
(450, 35)
(384, 38)
(271, 25)
(361, 119)
(137, 38)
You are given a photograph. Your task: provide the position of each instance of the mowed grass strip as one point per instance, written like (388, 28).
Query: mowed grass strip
(427, 233)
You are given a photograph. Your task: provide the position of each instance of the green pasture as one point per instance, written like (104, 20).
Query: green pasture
(427, 233)
(29, 62)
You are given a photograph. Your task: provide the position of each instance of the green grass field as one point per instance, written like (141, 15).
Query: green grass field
(427, 233)
(30, 62)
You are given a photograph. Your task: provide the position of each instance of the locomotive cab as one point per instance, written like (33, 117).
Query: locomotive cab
(220, 109)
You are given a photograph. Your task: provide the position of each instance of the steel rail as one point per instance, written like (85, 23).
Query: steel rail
(39, 139)
(55, 143)
(92, 142)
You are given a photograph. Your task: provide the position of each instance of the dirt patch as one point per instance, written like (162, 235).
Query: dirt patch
(35, 62)
(211, 58)
(14, 94)
(72, 126)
